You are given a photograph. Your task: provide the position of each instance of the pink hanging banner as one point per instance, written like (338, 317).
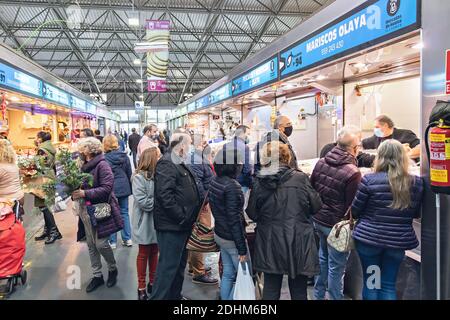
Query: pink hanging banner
(157, 86)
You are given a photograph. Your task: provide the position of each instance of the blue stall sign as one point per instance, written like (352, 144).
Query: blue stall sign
(263, 74)
(91, 108)
(220, 94)
(191, 107)
(54, 94)
(77, 103)
(202, 102)
(20, 81)
(369, 24)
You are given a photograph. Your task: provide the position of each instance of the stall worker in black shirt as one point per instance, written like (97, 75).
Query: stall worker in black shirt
(385, 130)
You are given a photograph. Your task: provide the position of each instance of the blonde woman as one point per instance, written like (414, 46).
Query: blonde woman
(10, 188)
(386, 203)
(121, 167)
(144, 233)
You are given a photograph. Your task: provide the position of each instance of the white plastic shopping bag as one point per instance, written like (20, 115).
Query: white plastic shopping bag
(244, 288)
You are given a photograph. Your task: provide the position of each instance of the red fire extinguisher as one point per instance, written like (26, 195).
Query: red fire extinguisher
(437, 138)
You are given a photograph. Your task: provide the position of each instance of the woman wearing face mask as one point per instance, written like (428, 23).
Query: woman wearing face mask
(45, 149)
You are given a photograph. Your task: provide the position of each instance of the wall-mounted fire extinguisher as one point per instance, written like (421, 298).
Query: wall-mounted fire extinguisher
(437, 139)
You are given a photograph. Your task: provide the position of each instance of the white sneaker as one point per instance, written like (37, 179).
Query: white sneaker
(127, 243)
(113, 245)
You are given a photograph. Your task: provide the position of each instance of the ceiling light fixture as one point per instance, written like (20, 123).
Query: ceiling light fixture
(321, 77)
(418, 46)
(138, 80)
(137, 62)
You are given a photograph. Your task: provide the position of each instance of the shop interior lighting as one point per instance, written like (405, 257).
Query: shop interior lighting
(417, 46)
(321, 77)
(14, 98)
(358, 65)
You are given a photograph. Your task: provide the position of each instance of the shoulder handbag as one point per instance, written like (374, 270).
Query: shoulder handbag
(340, 237)
(100, 211)
(202, 237)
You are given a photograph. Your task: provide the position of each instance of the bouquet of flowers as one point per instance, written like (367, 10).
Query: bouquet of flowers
(68, 179)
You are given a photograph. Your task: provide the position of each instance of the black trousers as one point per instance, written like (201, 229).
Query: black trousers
(49, 220)
(171, 265)
(272, 287)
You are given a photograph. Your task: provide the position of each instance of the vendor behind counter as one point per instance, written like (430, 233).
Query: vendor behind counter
(384, 129)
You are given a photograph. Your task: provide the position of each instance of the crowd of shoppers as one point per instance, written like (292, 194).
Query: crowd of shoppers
(176, 180)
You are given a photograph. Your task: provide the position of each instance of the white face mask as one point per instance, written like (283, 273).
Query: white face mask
(378, 132)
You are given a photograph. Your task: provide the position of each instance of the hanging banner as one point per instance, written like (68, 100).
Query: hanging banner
(367, 25)
(158, 37)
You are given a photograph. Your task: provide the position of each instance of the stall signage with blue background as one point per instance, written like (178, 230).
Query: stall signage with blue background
(91, 108)
(220, 94)
(373, 22)
(78, 104)
(202, 102)
(20, 81)
(191, 107)
(261, 75)
(56, 95)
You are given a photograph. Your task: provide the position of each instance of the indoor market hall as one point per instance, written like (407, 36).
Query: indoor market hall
(224, 150)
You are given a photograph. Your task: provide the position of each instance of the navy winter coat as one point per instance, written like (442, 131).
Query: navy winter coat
(121, 167)
(227, 205)
(101, 192)
(380, 225)
(202, 171)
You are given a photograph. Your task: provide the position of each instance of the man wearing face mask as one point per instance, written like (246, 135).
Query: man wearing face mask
(385, 130)
(177, 204)
(282, 131)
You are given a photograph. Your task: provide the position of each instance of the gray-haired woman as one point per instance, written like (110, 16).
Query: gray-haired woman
(97, 232)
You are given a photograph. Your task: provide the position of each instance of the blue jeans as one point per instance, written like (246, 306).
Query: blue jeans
(380, 268)
(332, 268)
(230, 262)
(126, 231)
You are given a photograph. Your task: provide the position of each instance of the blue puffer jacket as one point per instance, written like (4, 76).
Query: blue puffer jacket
(227, 205)
(121, 167)
(379, 225)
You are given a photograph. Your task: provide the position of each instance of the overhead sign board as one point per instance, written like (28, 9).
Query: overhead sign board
(77, 103)
(191, 107)
(261, 75)
(202, 102)
(15, 79)
(139, 107)
(373, 22)
(56, 95)
(220, 94)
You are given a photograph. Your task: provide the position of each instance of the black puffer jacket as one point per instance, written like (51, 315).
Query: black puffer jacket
(227, 202)
(282, 205)
(177, 197)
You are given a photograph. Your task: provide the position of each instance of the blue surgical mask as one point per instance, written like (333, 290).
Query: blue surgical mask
(378, 132)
